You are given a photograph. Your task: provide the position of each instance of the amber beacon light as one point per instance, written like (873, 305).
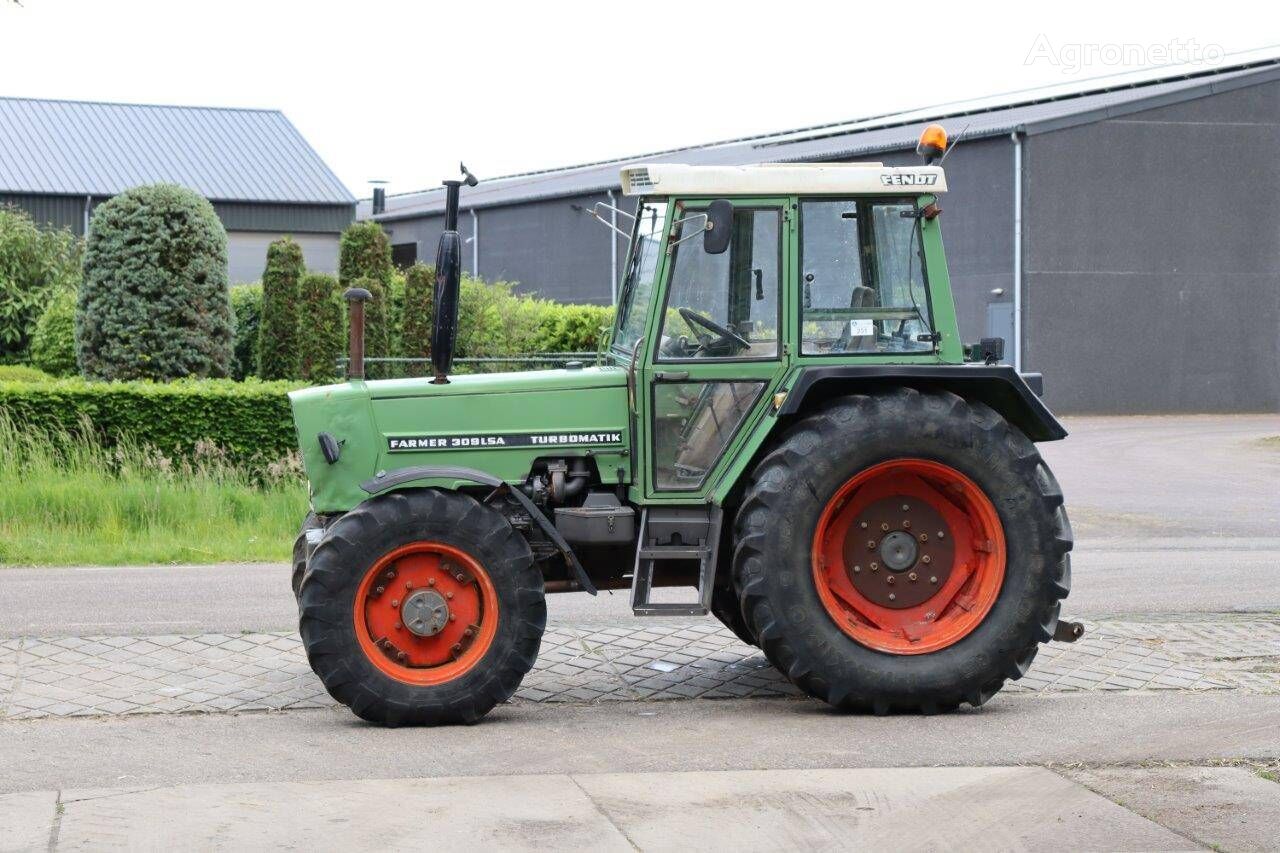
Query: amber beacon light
(933, 143)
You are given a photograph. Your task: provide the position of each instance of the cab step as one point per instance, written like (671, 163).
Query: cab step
(676, 533)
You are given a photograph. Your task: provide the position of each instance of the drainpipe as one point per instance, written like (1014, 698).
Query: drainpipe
(475, 244)
(1017, 251)
(613, 248)
(88, 207)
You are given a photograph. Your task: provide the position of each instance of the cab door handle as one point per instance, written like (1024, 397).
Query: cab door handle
(671, 375)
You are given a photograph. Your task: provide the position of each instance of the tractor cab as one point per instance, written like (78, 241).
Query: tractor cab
(739, 276)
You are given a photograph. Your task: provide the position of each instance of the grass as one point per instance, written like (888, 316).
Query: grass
(67, 500)
(1270, 442)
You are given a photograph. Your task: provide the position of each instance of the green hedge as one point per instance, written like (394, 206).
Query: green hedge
(278, 335)
(250, 420)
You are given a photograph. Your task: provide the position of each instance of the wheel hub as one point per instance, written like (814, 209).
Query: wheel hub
(899, 552)
(425, 613)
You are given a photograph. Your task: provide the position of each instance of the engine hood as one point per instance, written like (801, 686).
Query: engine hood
(500, 383)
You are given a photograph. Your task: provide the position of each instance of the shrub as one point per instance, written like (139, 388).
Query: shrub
(572, 328)
(154, 301)
(246, 310)
(250, 421)
(22, 373)
(278, 335)
(415, 326)
(33, 263)
(395, 313)
(321, 328)
(53, 344)
(364, 252)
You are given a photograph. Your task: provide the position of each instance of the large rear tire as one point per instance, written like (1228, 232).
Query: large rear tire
(843, 575)
(422, 607)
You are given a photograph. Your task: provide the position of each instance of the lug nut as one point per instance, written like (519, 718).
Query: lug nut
(926, 559)
(453, 617)
(884, 525)
(875, 567)
(871, 544)
(395, 602)
(924, 537)
(892, 597)
(857, 569)
(941, 535)
(467, 633)
(391, 573)
(890, 579)
(408, 585)
(911, 576)
(431, 581)
(399, 627)
(864, 525)
(933, 580)
(906, 508)
(460, 577)
(380, 590)
(906, 525)
(448, 595)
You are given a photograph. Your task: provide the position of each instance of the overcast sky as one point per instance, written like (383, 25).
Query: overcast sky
(402, 91)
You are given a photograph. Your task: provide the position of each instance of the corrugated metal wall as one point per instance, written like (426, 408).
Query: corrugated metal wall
(68, 212)
(1152, 258)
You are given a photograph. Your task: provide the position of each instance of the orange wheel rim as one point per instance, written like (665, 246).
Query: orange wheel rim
(909, 556)
(426, 613)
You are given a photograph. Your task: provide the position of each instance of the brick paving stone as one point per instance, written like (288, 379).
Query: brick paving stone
(219, 673)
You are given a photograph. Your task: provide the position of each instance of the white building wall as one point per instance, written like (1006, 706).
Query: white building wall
(247, 253)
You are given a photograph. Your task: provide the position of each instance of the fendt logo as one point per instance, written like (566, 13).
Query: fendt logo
(909, 179)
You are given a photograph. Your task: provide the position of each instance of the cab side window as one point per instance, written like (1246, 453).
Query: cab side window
(862, 278)
(726, 305)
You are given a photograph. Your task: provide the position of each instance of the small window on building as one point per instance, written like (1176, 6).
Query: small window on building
(404, 255)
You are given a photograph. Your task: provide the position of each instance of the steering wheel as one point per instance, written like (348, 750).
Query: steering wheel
(693, 318)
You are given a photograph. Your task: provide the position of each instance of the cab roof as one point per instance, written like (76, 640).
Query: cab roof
(783, 179)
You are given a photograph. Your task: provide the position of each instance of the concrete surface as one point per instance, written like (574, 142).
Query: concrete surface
(1225, 808)
(26, 820)
(1137, 576)
(732, 734)
(1169, 477)
(1020, 808)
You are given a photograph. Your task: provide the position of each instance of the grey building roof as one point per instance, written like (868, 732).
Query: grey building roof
(85, 148)
(1000, 115)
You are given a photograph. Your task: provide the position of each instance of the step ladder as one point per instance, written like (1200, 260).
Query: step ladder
(676, 533)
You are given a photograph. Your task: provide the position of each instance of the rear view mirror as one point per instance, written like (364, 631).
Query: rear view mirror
(719, 230)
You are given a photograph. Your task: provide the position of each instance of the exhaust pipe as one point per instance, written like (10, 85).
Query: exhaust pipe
(444, 327)
(356, 298)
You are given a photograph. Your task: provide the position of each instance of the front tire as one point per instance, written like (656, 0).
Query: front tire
(842, 574)
(422, 607)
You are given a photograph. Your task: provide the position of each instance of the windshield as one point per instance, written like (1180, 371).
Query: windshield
(642, 266)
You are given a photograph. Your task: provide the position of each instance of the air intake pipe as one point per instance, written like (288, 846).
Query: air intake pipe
(444, 327)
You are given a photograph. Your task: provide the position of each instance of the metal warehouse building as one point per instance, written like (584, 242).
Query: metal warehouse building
(60, 159)
(1121, 239)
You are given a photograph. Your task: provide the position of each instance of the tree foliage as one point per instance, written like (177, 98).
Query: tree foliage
(415, 323)
(154, 302)
(278, 327)
(364, 252)
(35, 263)
(246, 308)
(321, 328)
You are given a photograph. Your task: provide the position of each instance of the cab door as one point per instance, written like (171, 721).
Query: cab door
(716, 350)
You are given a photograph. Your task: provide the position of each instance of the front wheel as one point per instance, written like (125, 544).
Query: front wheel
(422, 607)
(903, 551)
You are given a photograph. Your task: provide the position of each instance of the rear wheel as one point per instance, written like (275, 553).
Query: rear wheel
(902, 551)
(422, 607)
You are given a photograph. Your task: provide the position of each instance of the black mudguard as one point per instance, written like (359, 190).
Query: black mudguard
(999, 386)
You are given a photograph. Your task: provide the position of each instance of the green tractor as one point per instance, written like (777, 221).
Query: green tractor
(783, 421)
